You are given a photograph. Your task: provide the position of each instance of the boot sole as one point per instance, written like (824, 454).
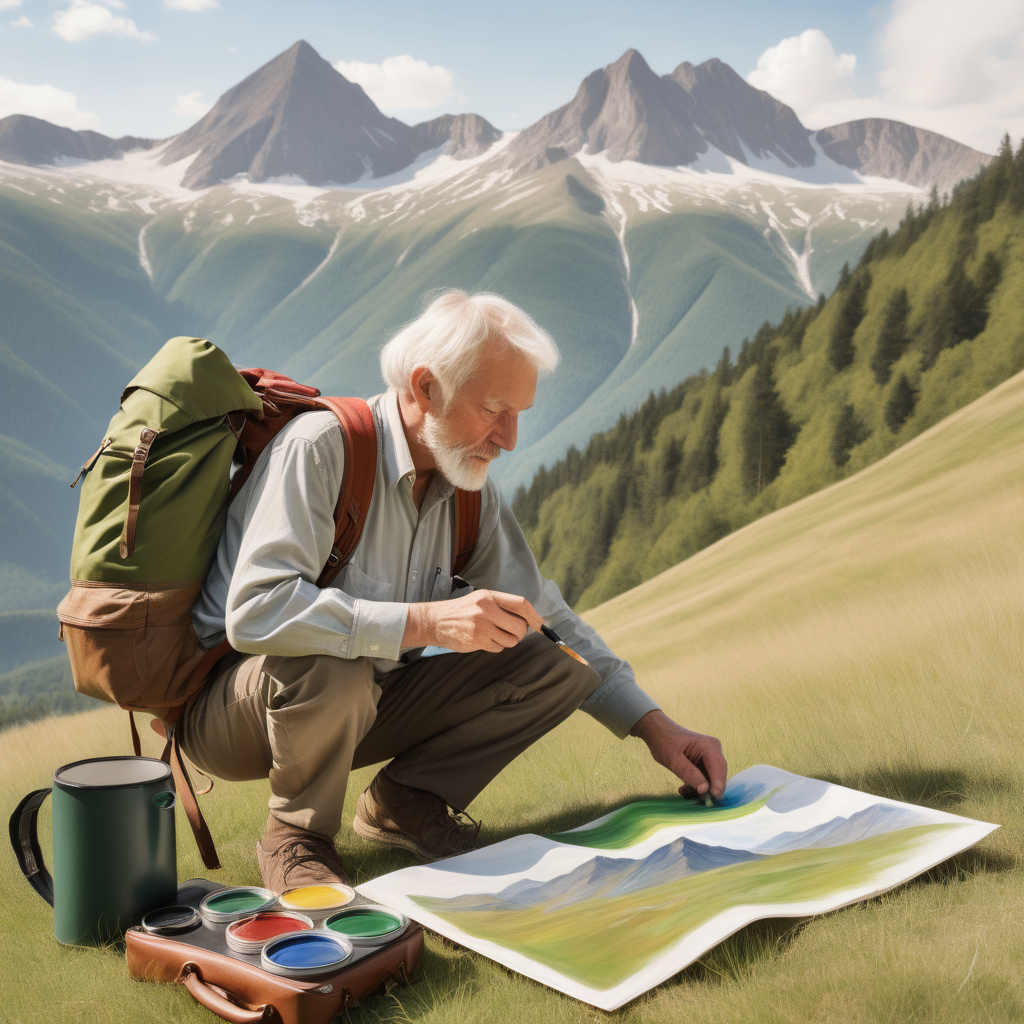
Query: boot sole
(391, 838)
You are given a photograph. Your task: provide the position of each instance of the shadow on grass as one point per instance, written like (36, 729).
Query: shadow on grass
(944, 789)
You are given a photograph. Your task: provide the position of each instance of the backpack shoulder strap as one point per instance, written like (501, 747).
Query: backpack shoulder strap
(356, 419)
(465, 528)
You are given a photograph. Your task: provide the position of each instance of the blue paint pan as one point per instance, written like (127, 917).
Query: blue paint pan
(304, 954)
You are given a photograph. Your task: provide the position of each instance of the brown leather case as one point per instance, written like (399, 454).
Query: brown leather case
(243, 993)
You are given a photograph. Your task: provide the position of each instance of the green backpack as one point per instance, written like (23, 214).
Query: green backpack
(151, 513)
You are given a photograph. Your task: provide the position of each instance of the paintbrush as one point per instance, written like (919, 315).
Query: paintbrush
(556, 639)
(458, 583)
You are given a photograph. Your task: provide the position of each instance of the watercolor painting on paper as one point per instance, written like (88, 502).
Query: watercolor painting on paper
(608, 910)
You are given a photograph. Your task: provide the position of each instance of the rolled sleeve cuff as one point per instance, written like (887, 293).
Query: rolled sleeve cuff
(618, 704)
(377, 628)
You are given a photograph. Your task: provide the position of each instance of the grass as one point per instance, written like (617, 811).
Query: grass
(871, 635)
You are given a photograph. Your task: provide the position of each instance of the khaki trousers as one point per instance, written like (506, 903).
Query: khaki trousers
(448, 723)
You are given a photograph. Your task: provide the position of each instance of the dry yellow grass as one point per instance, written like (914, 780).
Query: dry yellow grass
(872, 634)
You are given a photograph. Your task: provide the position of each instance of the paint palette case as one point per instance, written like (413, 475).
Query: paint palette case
(245, 983)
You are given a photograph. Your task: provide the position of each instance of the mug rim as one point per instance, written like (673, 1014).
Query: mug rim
(66, 784)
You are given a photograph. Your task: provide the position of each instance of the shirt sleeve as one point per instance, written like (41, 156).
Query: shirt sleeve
(503, 561)
(273, 604)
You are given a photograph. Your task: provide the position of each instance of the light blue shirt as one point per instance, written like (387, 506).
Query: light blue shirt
(261, 591)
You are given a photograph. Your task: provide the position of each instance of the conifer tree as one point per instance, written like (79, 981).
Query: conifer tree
(851, 312)
(723, 371)
(701, 462)
(768, 432)
(959, 310)
(849, 432)
(901, 404)
(671, 456)
(893, 338)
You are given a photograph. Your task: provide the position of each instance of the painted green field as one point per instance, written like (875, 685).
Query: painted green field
(871, 635)
(634, 823)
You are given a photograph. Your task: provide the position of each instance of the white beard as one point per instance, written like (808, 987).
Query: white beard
(456, 462)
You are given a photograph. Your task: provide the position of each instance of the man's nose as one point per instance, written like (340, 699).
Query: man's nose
(505, 431)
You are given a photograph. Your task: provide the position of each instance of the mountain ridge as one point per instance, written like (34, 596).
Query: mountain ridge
(297, 117)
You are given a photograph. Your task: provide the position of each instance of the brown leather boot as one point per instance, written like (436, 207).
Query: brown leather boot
(289, 856)
(413, 819)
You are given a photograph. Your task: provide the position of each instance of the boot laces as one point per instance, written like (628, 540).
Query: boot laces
(309, 849)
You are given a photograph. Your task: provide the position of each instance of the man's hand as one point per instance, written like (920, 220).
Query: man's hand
(485, 620)
(691, 756)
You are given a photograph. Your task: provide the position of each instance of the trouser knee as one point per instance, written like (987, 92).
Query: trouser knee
(573, 680)
(335, 687)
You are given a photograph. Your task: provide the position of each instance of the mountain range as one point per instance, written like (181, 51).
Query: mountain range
(298, 117)
(646, 224)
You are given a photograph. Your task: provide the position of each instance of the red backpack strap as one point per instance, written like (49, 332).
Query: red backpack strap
(360, 432)
(465, 529)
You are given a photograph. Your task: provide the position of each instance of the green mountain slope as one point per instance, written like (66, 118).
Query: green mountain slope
(929, 320)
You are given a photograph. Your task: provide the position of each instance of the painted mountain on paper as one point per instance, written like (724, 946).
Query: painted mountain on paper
(605, 928)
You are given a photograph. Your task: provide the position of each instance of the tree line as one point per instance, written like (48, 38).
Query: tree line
(924, 323)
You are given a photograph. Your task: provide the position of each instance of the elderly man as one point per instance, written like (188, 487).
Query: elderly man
(334, 679)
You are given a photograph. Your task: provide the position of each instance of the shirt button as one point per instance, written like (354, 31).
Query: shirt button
(414, 576)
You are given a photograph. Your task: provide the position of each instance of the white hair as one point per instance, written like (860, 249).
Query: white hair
(448, 336)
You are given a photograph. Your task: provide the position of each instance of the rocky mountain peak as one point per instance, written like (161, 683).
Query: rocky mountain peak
(731, 114)
(298, 116)
(624, 110)
(891, 149)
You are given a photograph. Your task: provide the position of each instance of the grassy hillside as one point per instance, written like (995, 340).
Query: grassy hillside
(869, 634)
(929, 320)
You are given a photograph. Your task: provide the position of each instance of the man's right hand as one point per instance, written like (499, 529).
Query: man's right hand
(485, 620)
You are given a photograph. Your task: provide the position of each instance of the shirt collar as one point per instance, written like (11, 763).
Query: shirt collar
(398, 462)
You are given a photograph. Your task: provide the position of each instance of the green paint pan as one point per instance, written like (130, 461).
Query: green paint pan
(367, 925)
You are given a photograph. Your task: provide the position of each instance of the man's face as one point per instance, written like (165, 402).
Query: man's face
(482, 417)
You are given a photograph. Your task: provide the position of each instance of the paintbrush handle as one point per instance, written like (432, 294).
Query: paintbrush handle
(556, 639)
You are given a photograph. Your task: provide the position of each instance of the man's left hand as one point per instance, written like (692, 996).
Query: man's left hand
(693, 757)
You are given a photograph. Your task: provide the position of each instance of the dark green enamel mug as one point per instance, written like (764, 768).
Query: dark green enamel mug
(114, 856)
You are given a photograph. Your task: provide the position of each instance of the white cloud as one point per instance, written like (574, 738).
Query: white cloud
(191, 104)
(401, 83)
(191, 5)
(84, 19)
(9, 5)
(22, 22)
(950, 67)
(805, 71)
(44, 101)
(959, 66)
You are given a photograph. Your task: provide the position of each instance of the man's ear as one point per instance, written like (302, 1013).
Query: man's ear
(424, 387)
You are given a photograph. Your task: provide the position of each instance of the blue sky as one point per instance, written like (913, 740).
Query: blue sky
(150, 67)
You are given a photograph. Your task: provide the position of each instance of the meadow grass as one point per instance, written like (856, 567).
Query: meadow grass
(871, 635)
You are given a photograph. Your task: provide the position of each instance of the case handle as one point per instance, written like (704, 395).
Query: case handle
(211, 998)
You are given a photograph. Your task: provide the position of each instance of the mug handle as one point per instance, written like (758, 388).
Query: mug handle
(25, 840)
(212, 999)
